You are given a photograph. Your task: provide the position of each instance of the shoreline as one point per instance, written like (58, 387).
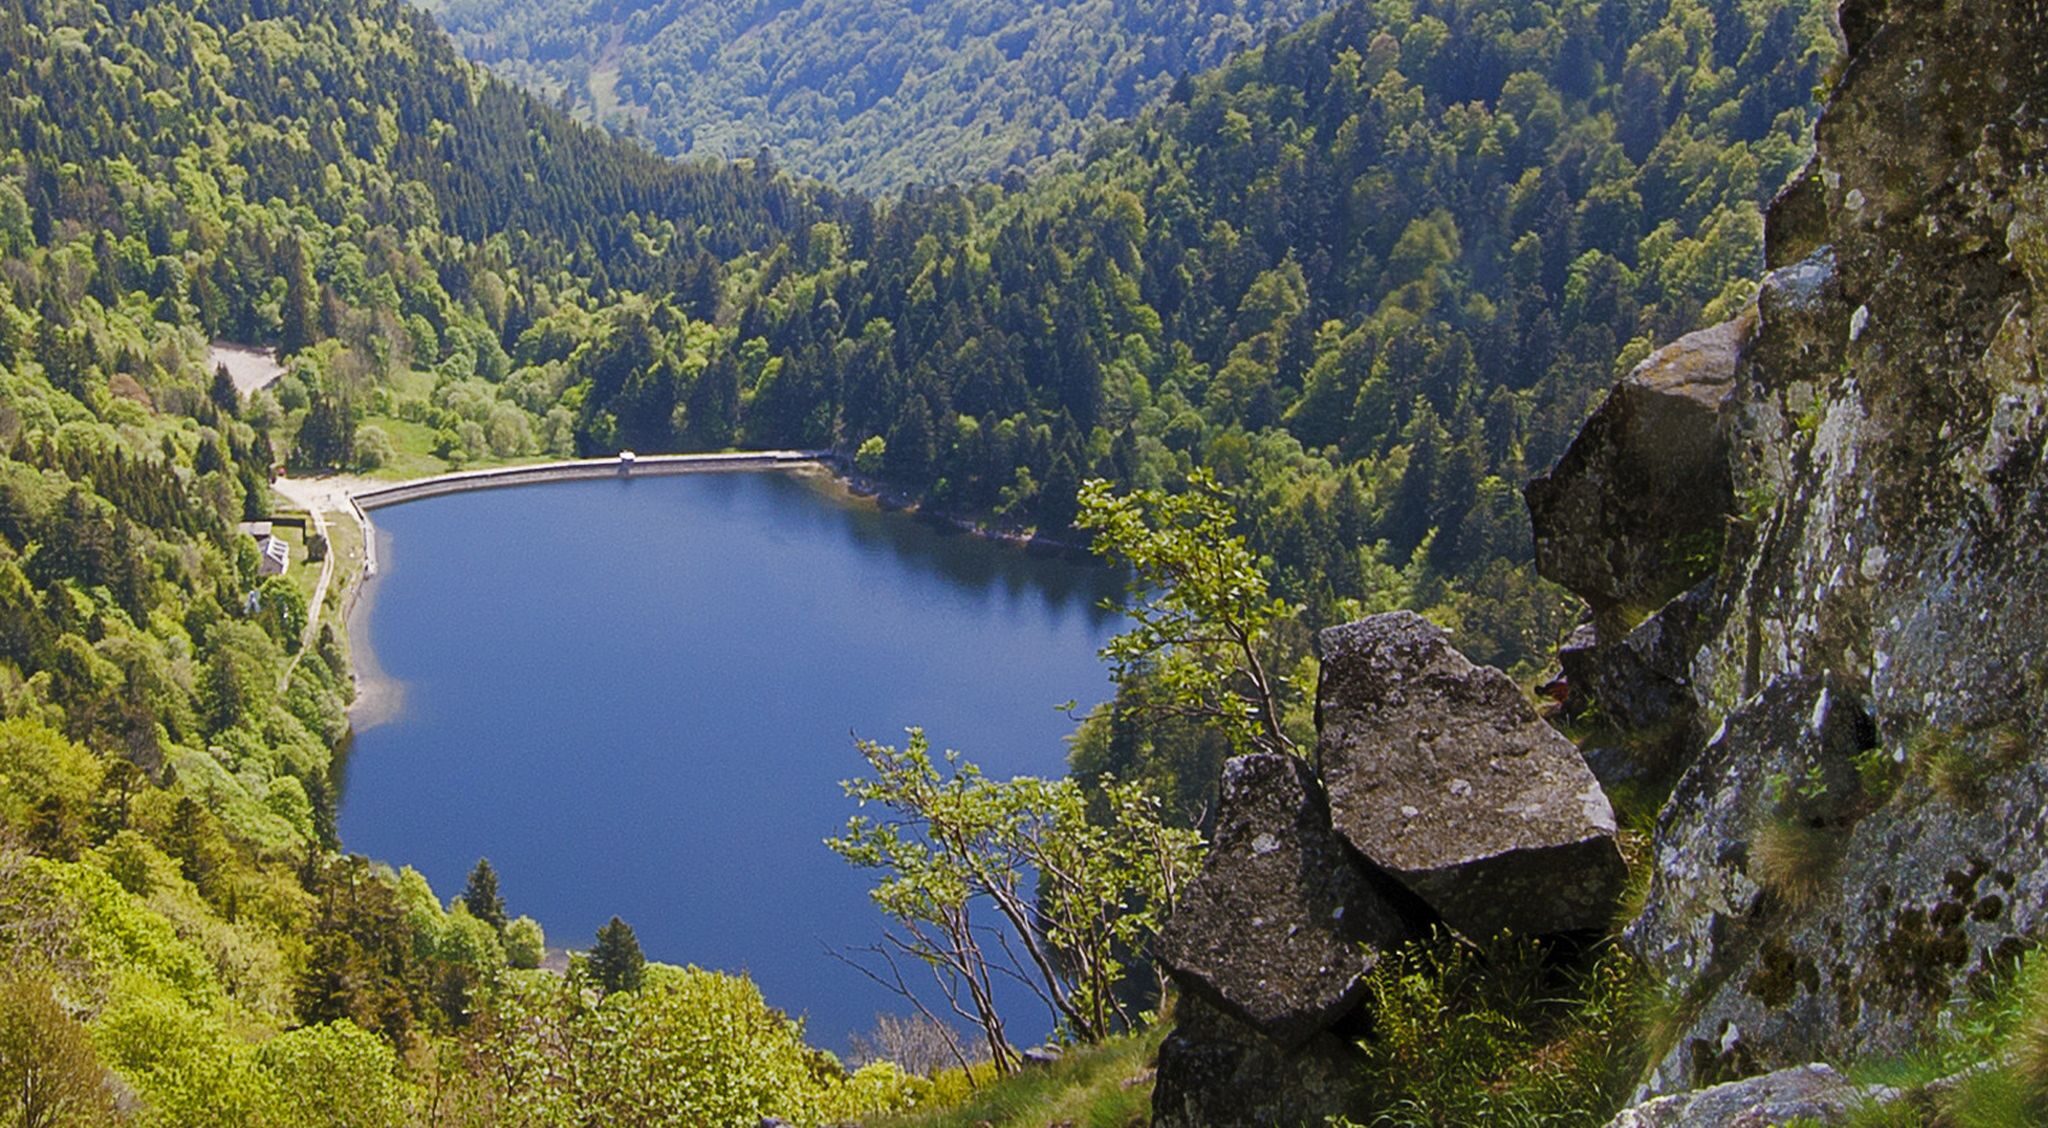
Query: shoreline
(378, 698)
(856, 488)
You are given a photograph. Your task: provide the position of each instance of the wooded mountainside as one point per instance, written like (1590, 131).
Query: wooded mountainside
(866, 95)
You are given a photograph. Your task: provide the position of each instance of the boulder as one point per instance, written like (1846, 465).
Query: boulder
(1441, 774)
(1812, 1094)
(1636, 692)
(1282, 921)
(1216, 1072)
(1633, 513)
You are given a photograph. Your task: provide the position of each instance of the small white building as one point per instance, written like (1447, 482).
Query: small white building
(274, 555)
(625, 462)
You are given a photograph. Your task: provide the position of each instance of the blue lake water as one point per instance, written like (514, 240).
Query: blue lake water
(635, 697)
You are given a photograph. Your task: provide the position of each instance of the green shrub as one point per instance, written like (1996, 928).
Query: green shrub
(334, 1074)
(689, 1047)
(525, 943)
(49, 1072)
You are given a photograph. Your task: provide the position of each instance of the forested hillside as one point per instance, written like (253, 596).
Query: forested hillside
(865, 94)
(180, 941)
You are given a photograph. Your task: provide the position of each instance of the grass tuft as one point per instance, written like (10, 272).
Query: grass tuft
(1794, 861)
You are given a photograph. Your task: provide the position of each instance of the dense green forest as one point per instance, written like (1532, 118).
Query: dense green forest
(1370, 275)
(867, 94)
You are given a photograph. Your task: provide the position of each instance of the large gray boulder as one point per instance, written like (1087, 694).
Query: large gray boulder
(1281, 923)
(1635, 696)
(1809, 1094)
(1633, 513)
(1441, 774)
(1888, 445)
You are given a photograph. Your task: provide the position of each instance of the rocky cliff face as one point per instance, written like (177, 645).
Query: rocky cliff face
(1857, 837)
(1815, 546)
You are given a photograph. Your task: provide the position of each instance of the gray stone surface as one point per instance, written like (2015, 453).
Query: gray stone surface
(1281, 924)
(1787, 756)
(1637, 693)
(1440, 773)
(1813, 1093)
(1890, 441)
(1216, 1072)
(1633, 513)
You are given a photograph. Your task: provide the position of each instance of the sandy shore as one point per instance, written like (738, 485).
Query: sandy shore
(380, 698)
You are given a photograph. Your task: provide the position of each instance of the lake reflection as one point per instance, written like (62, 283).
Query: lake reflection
(636, 697)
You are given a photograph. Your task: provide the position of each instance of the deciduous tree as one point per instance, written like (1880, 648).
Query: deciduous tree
(1199, 608)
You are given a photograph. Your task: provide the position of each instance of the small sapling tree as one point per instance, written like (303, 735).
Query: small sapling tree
(1067, 895)
(1200, 612)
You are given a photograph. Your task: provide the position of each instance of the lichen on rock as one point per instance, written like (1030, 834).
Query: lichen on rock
(1281, 925)
(1441, 774)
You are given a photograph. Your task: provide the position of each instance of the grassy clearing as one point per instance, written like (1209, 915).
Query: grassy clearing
(1106, 1086)
(1502, 1034)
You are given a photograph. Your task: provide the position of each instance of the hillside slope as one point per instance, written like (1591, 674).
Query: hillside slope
(181, 941)
(871, 95)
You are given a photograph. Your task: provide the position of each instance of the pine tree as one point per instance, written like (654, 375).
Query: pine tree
(482, 898)
(616, 962)
(299, 316)
(223, 393)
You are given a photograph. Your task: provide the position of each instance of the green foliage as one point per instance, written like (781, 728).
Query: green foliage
(1290, 274)
(616, 964)
(47, 784)
(1072, 893)
(1198, 602)
(688, 1047)
(335, 1074)
(525, 943)
(1878, 773)
(1295, 277)
(1463, 1035)
(871, 96)
(373, 448)
(873, 453)
(481, 895)
(50, 1075)
(281, 608)
(1106, 1086)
